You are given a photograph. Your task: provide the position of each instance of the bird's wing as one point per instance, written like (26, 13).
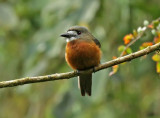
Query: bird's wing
(97, 42)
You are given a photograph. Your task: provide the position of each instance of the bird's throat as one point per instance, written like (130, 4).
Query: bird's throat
(71, 39)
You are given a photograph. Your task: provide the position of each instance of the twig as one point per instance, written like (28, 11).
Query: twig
(68, 75)
(132, 42)
(138, 37)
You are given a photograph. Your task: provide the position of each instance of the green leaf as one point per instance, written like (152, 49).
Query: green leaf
(129, 50)
(121, 48)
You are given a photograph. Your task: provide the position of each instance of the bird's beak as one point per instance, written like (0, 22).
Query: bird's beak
(68, 35)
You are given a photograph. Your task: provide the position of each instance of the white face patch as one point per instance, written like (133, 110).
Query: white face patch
(72, 38)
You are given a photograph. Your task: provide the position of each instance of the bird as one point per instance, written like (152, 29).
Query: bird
(82, 52)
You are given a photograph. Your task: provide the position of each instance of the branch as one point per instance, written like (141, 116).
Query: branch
(140, 32)
(132, 42)
(68, 75)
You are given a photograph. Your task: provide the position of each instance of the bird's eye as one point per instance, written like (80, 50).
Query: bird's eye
(78, 32)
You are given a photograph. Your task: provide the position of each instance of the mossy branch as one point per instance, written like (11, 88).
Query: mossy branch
(68, 75)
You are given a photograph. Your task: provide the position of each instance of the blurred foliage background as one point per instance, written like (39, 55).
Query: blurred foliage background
(30, 46)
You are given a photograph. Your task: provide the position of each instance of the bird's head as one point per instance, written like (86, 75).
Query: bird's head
(77, 32)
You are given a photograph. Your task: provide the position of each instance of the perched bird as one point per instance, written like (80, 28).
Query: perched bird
(82, 52)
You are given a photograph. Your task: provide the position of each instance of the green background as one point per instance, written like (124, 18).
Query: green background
(30, 46)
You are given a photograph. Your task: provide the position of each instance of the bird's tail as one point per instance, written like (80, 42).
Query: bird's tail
(85, 84)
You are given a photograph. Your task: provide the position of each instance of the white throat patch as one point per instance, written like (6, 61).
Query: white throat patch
(72, 38)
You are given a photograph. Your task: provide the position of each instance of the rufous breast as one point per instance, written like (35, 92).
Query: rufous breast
(81, 55)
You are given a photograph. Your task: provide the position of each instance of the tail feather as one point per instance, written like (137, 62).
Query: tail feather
(85, 84)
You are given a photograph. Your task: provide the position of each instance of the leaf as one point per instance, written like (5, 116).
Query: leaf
(129, 50)
(155, 23)
(114, 68)
(127, 39)
(156, 57)
(157, 39)
(150, 26)
(145, 44)
(158, 67)
(121, 48)
(135, 34)
(141, 48)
